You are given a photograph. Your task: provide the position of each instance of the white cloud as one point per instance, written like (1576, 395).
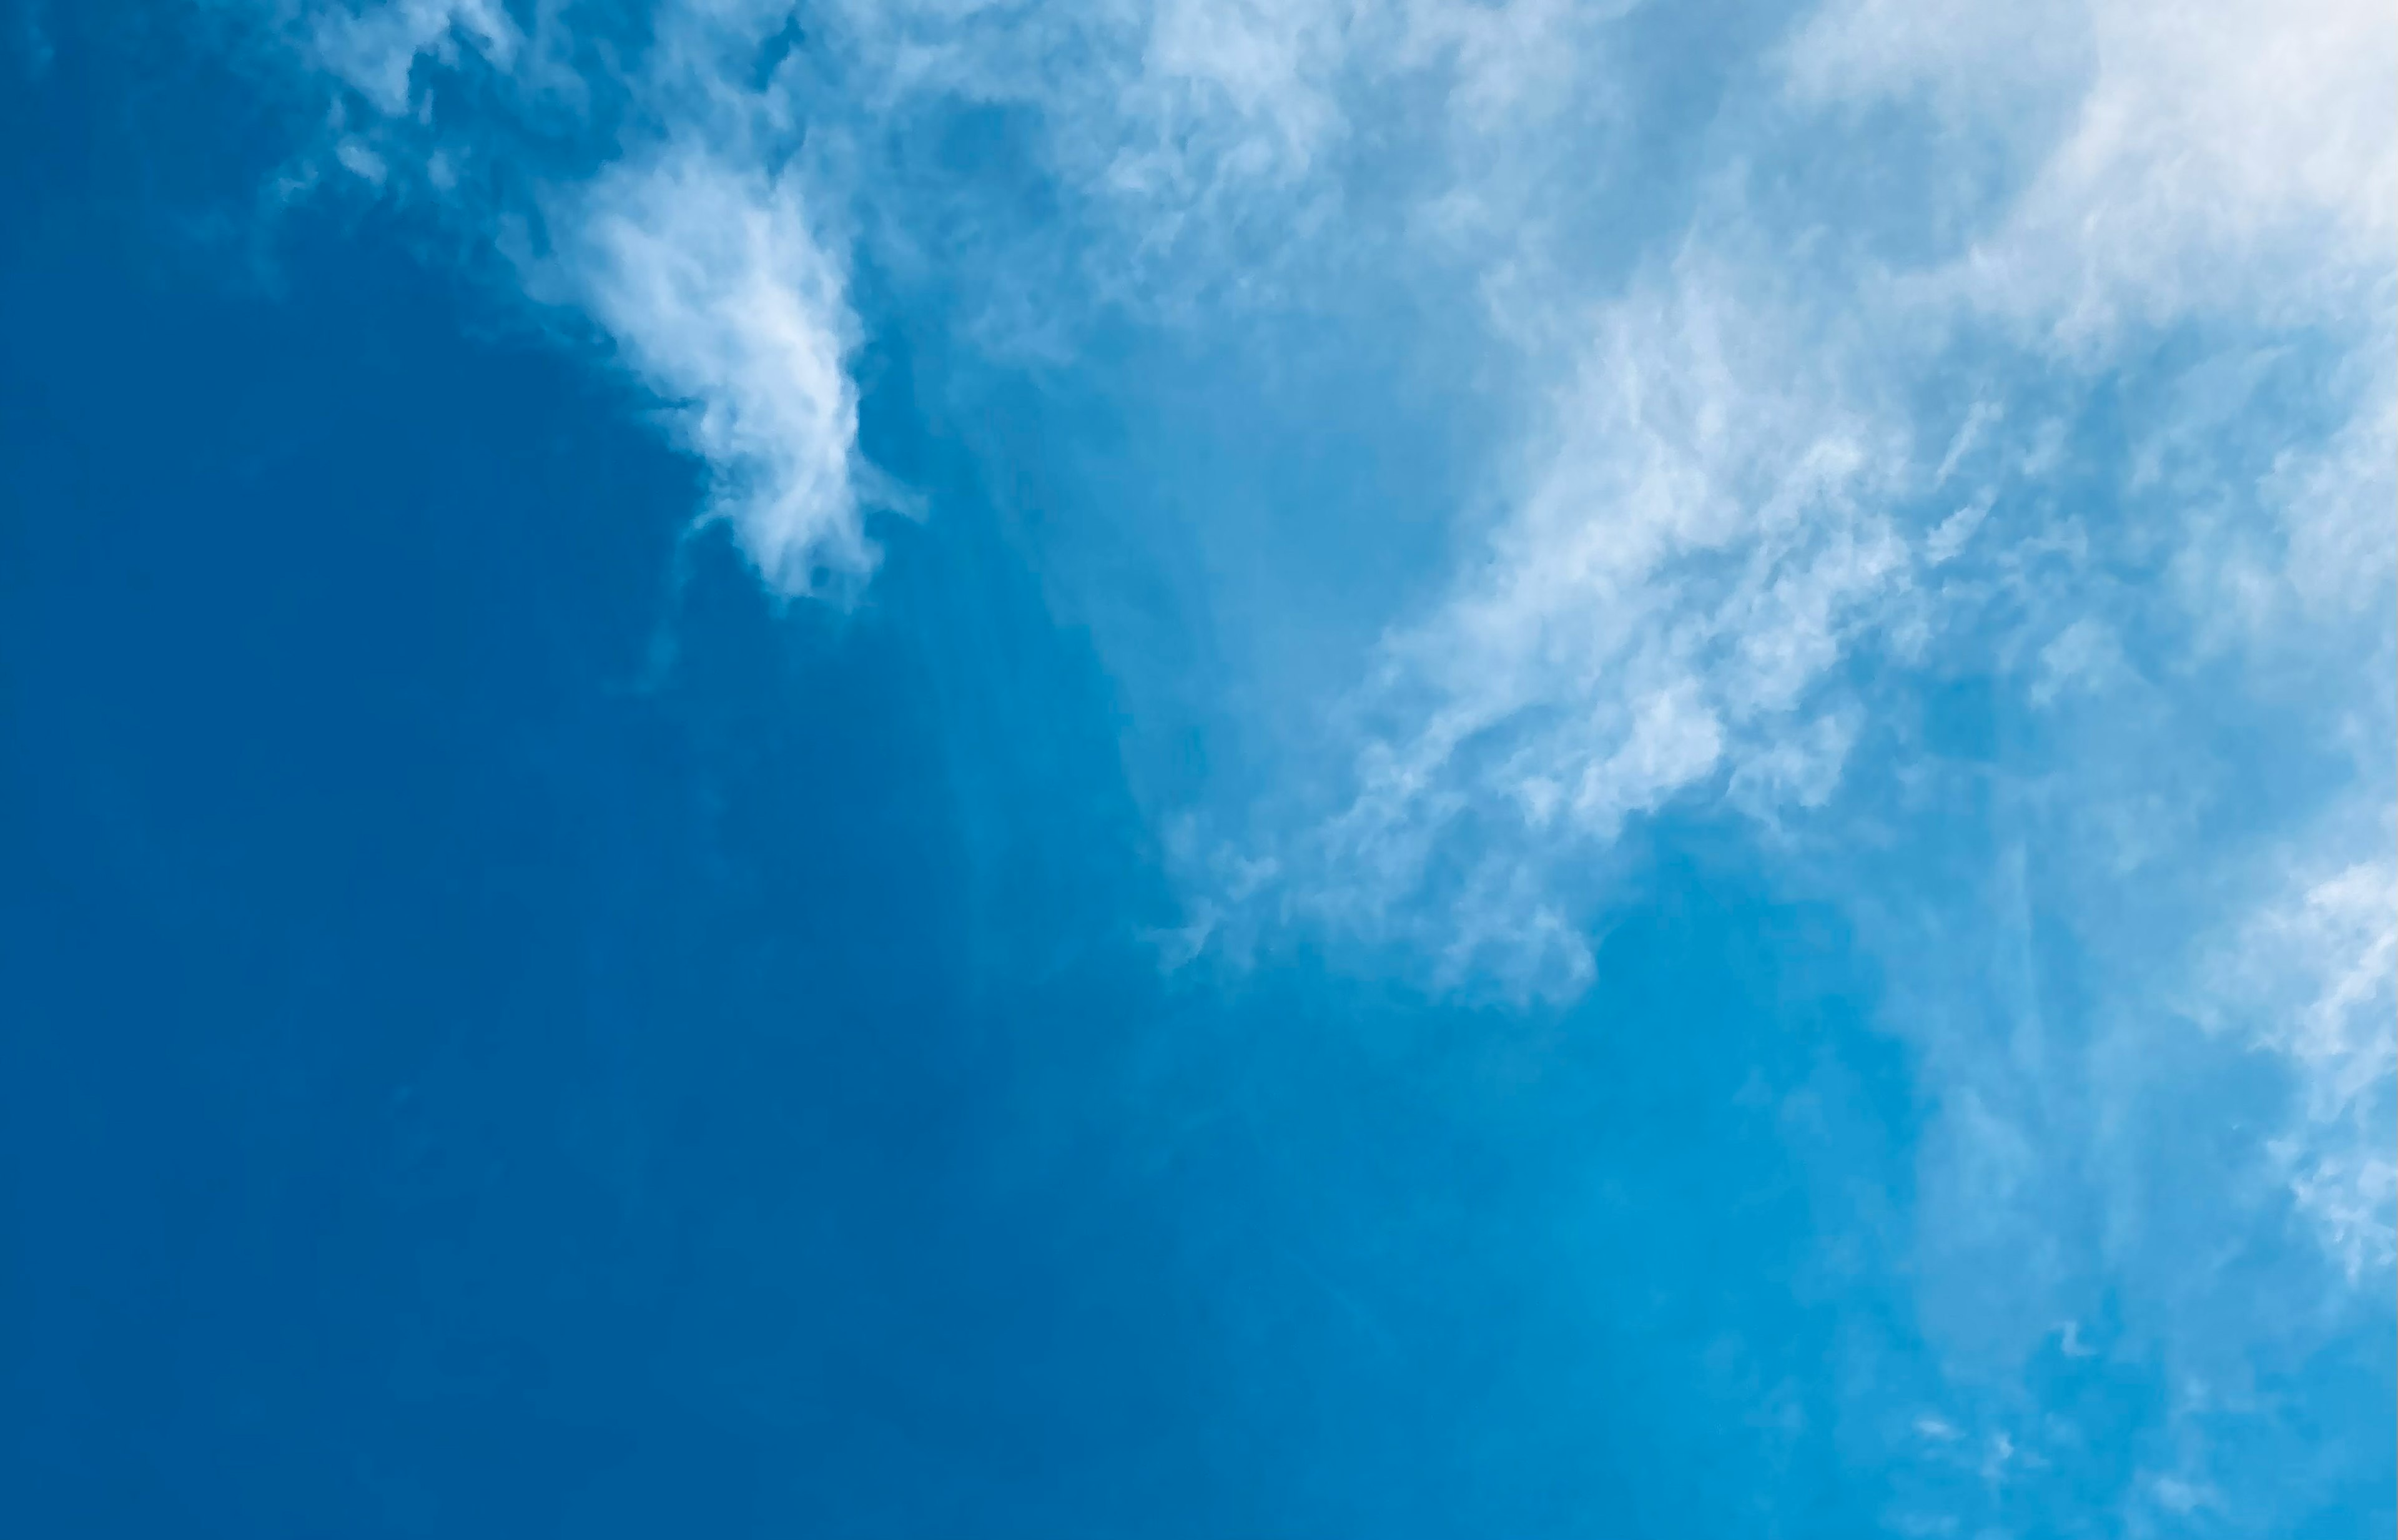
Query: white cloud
(1725, 510)
(1715, 524)
(721, 298)
(1254, 78)
(1950, 537)
(697, 249)
(2312, 974)
(2234, 157)
(2312, 556)
(1660, 614)
(1200, 147)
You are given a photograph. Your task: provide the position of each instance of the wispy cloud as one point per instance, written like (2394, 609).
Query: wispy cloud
(2312, 973)
(694, 245)
(721, 300)
(1699, 538)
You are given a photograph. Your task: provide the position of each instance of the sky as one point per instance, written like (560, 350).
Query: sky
(1399, 768)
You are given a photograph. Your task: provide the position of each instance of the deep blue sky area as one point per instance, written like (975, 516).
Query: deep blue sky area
(511, 1026)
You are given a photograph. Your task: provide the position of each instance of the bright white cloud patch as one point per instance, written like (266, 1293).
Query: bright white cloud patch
(720, 299)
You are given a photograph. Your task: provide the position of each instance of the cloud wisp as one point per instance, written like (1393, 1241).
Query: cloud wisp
(673, 217)
(722, 301)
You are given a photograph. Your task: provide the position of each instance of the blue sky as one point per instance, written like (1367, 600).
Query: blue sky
(1440, 768)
